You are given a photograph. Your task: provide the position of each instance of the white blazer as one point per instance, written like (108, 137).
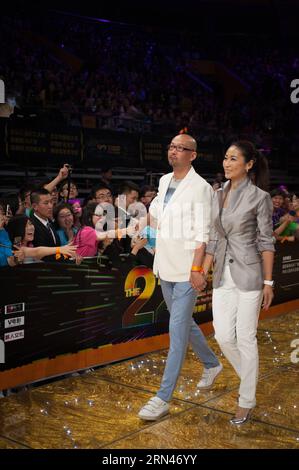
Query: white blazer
(182, 226)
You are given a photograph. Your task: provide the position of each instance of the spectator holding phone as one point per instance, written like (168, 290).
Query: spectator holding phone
(52, 186)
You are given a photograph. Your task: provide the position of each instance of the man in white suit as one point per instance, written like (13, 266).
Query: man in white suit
(182, 214)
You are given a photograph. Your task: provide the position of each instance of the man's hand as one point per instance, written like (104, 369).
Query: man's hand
(198, 281)
(63, 172)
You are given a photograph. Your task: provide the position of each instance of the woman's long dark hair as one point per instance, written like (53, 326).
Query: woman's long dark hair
(259, 173)
(16, 227)
(87, 213)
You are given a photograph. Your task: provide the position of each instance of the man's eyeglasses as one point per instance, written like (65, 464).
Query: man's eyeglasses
(179, 148)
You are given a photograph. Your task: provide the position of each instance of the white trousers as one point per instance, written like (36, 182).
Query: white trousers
(235, 319)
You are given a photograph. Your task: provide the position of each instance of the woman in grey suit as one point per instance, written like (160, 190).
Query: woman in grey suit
(242, 250)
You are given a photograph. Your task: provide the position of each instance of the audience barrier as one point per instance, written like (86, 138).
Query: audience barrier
(56, 318)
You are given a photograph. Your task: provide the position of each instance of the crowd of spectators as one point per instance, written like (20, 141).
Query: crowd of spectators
(127, 74)
(285, 215)
(52, 222)
(122, 73)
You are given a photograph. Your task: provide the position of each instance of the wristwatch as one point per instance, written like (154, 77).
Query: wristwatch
(269, 283)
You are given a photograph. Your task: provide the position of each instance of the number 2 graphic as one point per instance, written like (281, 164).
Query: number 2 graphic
(132, 317)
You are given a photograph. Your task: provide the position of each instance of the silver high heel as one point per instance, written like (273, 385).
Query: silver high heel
(238, 421)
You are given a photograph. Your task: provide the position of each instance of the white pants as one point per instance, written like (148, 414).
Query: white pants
(235, 319)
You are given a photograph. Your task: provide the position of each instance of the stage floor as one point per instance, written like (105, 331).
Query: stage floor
(99, 409)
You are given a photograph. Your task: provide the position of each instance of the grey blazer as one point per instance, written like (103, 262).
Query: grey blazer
(248, 222)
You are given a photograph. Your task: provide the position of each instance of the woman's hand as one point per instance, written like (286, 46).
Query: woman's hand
(267, 297)
(106, 242)
(137, 243)
(19, 253)
(286, 219)
(78, 259)
(121, 232)
(198, 281)
(69, 250)
(131, 230)
(3, 221)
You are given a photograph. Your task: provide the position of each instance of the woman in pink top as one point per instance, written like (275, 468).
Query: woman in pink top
(88, 238)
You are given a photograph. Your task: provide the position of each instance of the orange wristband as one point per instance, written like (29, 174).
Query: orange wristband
(58, 255)
(197, 269)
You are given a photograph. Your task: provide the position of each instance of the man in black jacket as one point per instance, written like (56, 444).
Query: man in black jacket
(44, 234)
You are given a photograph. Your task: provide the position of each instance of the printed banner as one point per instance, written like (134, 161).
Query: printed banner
(50, 310)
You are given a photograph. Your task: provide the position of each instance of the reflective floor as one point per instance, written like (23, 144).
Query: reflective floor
(99, 409)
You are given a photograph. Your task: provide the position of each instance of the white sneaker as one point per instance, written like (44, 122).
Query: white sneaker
(154, 409)
(208, 376)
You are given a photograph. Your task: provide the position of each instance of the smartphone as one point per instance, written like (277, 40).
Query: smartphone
(293, 213)
(17, 241)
